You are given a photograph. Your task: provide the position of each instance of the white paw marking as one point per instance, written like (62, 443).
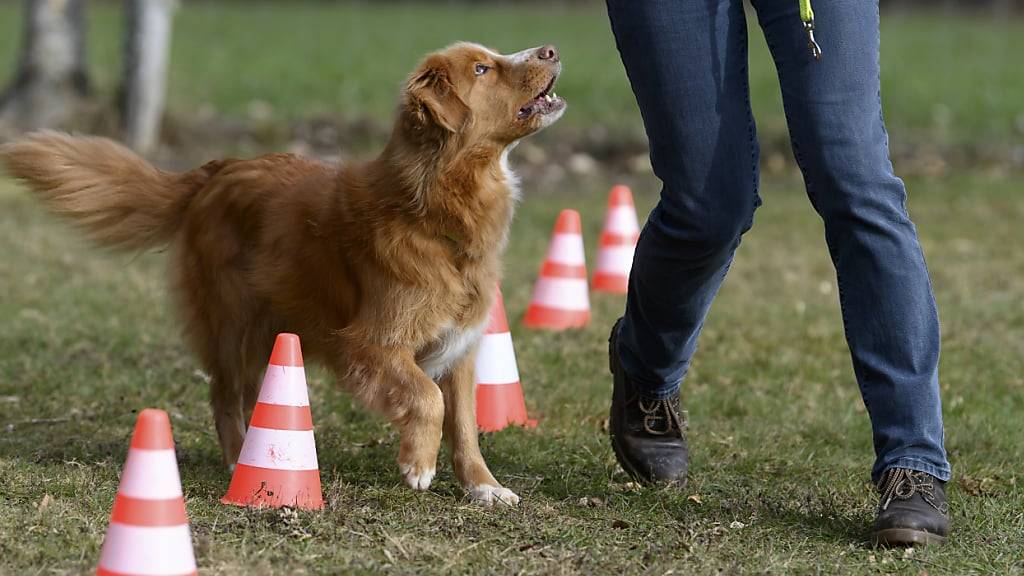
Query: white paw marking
(487, 495)
(417, 479)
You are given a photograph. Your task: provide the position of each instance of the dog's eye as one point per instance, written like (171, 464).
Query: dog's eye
(481, 69)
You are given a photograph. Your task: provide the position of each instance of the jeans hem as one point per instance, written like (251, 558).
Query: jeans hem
(653, 390)
(649, 390)
(659, 395)
(943, 473)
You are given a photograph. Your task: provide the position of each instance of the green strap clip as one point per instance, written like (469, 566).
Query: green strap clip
(807, 16)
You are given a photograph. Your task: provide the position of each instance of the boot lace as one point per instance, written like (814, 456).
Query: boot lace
(903, 483)
(661, 417)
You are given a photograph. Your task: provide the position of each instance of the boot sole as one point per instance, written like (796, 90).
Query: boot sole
(897, 537)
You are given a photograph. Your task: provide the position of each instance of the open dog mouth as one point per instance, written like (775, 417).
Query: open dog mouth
(544, 103)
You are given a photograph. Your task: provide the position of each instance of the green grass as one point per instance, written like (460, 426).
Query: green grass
(780, 439)
(947, 77)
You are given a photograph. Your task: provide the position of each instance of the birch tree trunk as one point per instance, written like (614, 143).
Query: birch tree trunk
(146, 54)
(51, 80)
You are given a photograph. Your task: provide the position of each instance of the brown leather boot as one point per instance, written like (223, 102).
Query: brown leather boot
(913, 509)
(646, 434)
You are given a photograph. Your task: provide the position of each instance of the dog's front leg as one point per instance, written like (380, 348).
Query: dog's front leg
(459, 389)
(389, 381)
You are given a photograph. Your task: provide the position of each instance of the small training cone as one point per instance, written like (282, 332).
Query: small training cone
(560, 299)
(277, 466)
(499, 395)
(618, 242)
(148, 531)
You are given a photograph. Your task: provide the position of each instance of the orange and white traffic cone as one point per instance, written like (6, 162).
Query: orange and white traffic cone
(277, 466)
(148, 531)
(499, 395)
(560, 298)
(618, 242)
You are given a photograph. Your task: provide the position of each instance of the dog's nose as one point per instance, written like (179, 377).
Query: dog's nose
(547, 52)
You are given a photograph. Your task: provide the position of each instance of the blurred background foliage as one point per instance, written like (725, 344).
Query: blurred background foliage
(322, 76)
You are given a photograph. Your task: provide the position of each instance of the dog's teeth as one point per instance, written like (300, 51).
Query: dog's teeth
(547, 97)
(554, 95)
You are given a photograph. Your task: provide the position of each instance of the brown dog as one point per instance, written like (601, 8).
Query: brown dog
(385, 269)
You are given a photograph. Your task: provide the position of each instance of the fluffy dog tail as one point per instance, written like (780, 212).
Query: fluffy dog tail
(118, 198)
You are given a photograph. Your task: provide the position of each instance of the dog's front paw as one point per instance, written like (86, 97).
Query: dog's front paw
(417, 477)
(488, 494)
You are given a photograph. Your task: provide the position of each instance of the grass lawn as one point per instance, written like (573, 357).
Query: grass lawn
(948, 77)
(780, 438)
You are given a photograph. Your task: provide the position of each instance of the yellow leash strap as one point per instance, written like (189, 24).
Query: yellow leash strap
(807, 16)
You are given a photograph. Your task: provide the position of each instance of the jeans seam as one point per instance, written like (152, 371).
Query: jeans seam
(751, 128)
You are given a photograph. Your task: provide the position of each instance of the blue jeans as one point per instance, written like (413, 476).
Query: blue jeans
(687, 63)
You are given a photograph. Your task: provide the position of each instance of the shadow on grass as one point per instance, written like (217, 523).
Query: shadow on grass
(839, 529)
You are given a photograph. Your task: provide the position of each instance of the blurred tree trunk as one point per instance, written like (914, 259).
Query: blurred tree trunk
(146, 50)
(51, 78)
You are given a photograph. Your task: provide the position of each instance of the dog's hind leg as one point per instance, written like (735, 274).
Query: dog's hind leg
(227, 403)
(234, 388)
(461, 434)
(256, 349)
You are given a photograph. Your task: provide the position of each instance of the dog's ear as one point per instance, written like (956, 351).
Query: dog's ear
(431, 97)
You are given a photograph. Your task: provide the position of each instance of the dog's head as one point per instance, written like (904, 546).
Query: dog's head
(476, 93)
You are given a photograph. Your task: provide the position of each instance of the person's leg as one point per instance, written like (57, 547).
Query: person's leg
(687, 63)
(833, 108)
(834, 112)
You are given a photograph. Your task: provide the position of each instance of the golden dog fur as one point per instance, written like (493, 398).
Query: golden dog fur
(386, 269)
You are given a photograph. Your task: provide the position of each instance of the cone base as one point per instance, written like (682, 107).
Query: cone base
(610, 283)
(500, 405)
(538, 316)
(105, 572)
(257, 487)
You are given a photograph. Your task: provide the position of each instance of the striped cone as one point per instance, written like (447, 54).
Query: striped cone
(148, 531)
(618, 242)
(277, 466)
(499, 395)
(560, 299)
